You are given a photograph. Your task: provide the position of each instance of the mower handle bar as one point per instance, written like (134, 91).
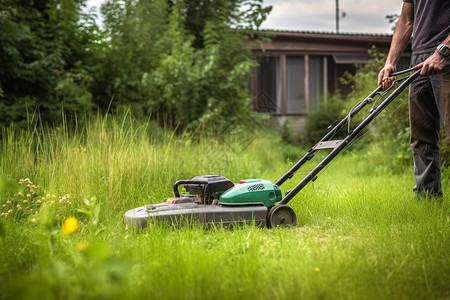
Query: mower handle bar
(313, 174)
(341, 144)
(403, 72)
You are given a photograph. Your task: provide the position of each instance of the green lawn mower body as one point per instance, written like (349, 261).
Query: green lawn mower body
(214, 199)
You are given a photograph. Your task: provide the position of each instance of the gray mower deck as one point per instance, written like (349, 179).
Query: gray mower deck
(199, 213)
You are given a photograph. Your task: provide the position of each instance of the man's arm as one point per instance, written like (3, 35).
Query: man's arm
(435, 63)
(400, 39)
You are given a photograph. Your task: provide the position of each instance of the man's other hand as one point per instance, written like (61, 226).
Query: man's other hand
(383, 77)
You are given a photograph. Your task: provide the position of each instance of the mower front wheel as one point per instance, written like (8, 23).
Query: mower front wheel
(281, 215)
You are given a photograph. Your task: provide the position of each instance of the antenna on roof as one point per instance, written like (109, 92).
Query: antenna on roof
(337, 16)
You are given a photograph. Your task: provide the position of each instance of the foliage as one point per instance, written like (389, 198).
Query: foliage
(44, 56)
(243, 14)
(393, 20)
(131, 45)
(179, 62)
(92, 211)
(190, 67)
(320, 121)
(200, 86)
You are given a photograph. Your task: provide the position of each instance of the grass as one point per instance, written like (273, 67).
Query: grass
(361, 233)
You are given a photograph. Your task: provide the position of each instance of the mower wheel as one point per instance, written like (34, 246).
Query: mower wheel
(281, 215)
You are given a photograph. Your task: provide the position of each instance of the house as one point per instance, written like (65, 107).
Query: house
(297, 70)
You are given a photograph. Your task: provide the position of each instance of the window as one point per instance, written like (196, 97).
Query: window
(316, 81)
(290, 84)
(299, 99)
(295, 84)
(269, 91)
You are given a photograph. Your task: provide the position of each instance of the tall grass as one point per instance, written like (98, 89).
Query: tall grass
(361, 233)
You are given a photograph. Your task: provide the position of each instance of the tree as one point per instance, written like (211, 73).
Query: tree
(236, 14)
(131, 46)
(392, 19)
(43, 58)
(190, 67)
(181, 61)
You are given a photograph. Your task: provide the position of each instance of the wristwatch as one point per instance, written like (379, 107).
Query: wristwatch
(444, 50)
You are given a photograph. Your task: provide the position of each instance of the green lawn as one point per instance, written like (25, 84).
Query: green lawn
(361, 234)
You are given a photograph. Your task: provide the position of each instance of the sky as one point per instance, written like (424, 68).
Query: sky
(361, 16)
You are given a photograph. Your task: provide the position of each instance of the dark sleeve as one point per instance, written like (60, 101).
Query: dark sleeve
(409, 1)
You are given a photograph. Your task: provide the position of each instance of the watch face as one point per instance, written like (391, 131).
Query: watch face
(444, 50)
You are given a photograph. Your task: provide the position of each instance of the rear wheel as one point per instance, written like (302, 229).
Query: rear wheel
(281, 215)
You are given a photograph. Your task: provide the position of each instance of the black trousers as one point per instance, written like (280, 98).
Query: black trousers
(429, 105)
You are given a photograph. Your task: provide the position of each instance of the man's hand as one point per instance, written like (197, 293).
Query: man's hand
(432, 65)
(383, 77)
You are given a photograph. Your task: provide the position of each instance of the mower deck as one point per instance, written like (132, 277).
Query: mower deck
(199, 213)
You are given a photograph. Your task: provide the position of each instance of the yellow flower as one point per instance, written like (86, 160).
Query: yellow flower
(70, 225)
(82, 245)
(317, 269)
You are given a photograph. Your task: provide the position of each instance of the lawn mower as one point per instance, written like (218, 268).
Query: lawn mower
(214, 199)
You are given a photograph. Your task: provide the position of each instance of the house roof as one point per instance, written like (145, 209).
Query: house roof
(315, 42)
(296, 34)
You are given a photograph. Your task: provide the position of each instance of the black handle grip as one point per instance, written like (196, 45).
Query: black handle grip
(179, 182)
(402, 72)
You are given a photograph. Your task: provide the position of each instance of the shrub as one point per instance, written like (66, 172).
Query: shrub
(318, 122)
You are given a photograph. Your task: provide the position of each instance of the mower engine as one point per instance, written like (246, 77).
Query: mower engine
(206, 188)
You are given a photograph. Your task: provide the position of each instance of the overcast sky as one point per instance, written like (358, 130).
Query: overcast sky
(366, 16)
(362, 16)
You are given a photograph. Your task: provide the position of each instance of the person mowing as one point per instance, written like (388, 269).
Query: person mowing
(426, 24)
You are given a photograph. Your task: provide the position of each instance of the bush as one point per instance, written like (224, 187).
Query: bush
(319, 122)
